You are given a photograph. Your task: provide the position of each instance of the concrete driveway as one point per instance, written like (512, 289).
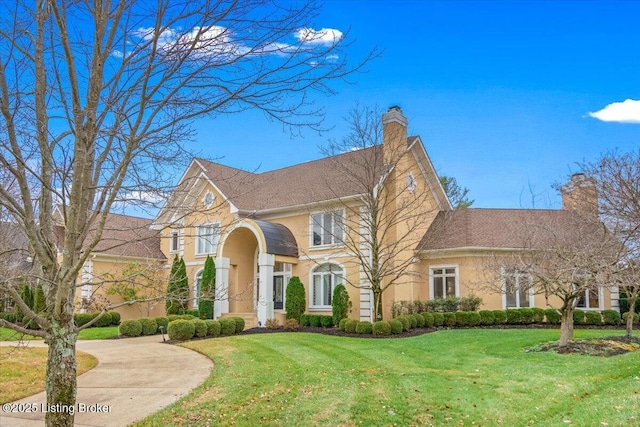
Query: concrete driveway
(134, 378)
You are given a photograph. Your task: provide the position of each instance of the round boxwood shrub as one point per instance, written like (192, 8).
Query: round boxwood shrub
(115, 318)
(487, 317)
(173, 317)
(611, 317)
(538, 315)
(105, 320)
(593, 318)
(396, 326)
(449, 319)
(625, 316)
(149, 326)
(406, 323)
(364, 327)
(428, 319)
(342, 323)
(474, 318)
(526, 316)
(315, 320)
(420, 320)
(162, 321)
(326, 321)
(239, 324)
(181, 330)
(462, 318)
(305, 320)
(500, 317)
(200, 328)
(213, 327)
(227, 326)
(413, 320)
(381, 328)
(578, 317)
(514, 317)
(82, 319)
(130, 328)
(350, 326)
(553, 316)
(187, 317)
(438, 319)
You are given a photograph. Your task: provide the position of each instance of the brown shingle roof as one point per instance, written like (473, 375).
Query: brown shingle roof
(488, 228)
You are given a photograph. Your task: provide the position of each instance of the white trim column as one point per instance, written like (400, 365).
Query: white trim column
(265, 287)
(221, 303)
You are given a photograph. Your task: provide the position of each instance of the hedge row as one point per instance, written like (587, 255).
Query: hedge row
(182, 327)
(110, 318)
(318, 320)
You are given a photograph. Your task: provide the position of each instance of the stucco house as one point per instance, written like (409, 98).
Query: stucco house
(264, 228)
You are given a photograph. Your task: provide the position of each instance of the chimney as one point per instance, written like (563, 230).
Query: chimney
(394, 134)
(581, 195)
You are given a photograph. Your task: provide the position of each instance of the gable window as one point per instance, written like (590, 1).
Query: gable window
(444, 282)
(325, 278)
(518, 290)
(175, 241)
(411, 183)
(327, 228)
(590, 299)
(207, 237)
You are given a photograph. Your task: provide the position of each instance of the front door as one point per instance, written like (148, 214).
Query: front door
(278, 292)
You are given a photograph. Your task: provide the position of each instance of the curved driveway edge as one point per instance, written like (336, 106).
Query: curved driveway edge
(134, 378)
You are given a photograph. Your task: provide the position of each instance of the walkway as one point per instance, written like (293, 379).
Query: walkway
(135, 377)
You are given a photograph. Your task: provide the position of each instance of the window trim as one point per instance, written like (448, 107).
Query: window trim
(443, 267)
(503, 278)
(600, 306)
(174, 237)
(338, 240)
(215, 243)
(313, 273)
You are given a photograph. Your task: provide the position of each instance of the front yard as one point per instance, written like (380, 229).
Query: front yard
(454, 377)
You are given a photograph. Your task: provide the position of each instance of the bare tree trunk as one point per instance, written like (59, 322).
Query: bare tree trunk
(566, 326)
(61, 374)
(377, 305)
(630, 316)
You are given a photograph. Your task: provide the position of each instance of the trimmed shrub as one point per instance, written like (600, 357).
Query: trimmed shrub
(115, 319)
(514, 317)
(419, 320)
(227, 326)
(105, 320)
(130, 328)
(194, 313)
(438, 319)
(381, 328)
(187, 317)
(413, 320)
(500, 317)
(162, 321)
(239, 321)
(339, 304)
(406, 323)
(474, 318)
(172, 317)
(396, 326)
(149, 326)
(611, 317)
(213, 327)
(326, 321)
(593, 318)
(526, 316)
(342, 323)
(462, 318)
(450, 304)
(487, 317)
(350, 326)
(578, 317)
(291, 325)
(200, 328)
(82, 319)
(449, 319)
(207, 289)
(428, 319)
(538, 315)
(295, 299)
(273, 323)
(364, 327)
(315, 320)
(305, 320)
(553, 316)
(181, 330)
(625, 316)
(470, 303)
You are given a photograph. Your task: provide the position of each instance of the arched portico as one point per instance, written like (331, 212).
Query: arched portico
(245, 265)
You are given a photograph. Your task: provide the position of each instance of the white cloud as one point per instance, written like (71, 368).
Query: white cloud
(627, 111)
(325, 36)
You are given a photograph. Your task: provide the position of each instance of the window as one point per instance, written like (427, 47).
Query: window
(590, 299)
(207, 237)
(281, 277)
(174, 241)
(411, 183)
(208, 199)
(328, 228)
(444, 282)
(197, 284)
(325, 278)
(518, 290)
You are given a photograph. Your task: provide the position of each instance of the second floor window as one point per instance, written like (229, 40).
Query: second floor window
(174, 241)
(328, 228)
(207, 237)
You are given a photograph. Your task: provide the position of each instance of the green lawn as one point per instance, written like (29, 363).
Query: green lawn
(85, 334)
(456, 377)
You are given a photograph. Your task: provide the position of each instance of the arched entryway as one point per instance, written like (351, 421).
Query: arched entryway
(241, 249)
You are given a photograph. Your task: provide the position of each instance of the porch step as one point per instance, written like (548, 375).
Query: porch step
(250, 319)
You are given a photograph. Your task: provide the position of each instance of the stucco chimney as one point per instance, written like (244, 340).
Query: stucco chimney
(580, 194)
(394, 130)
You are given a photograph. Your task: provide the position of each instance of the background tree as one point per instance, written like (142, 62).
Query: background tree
(457, 195)
(97, 100)
(207, 289)
(295, 299)
(172, 304)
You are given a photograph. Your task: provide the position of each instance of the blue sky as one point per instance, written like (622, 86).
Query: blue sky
(500, 92)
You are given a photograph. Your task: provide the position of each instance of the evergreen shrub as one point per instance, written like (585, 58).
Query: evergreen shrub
(381, 328)
(364, 327)
(181, 330)
(130, 328)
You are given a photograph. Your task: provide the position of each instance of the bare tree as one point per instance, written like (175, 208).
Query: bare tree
(385, 221)
(96, 102)
(617, 177)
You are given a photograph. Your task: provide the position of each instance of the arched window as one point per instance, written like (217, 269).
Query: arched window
(197, 284)
(325, 277)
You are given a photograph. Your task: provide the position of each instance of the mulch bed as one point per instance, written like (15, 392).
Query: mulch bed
(604, 347)
(337, 332)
